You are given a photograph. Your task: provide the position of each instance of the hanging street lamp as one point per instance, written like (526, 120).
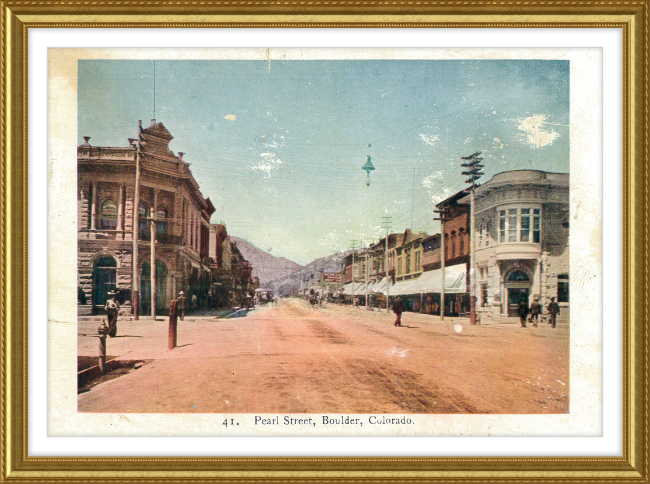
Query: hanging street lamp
(368, 167)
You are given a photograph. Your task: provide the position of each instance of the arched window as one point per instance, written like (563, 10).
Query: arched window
(453, 244)
(143, 216)
(461, 242)
(487, 233)
(161, 225)
(481, 231)
(109, 214)
(104, 279)
(518, 276)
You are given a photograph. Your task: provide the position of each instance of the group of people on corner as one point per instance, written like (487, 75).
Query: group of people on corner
(533, 313)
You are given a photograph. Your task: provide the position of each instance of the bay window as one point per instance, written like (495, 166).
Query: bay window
(520, 225)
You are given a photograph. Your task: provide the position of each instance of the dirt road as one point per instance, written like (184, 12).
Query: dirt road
(293, 358)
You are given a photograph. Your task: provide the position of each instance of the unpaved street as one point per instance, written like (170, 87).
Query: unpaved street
(293, 358)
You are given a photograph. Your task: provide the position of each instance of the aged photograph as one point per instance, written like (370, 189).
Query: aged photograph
(333, 237)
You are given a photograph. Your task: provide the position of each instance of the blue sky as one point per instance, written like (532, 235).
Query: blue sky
(278, 147)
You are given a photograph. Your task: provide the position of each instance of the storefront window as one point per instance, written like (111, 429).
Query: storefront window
(563, 288)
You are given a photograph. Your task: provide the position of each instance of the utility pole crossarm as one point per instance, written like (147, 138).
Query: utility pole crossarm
(473, 165)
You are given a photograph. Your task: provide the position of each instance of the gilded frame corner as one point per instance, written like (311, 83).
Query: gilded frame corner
(632, 17)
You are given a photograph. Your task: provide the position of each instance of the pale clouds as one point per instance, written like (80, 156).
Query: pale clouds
(535, 131)
(230, 117)
(269, 158)
(430, 180)
(268, 163)
(429, 140)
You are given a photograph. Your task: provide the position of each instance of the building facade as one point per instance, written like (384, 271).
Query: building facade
(231, 273)
(521, 241)
(105, 224)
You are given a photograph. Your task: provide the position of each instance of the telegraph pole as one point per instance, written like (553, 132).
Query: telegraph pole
(367, 279)
(353, 245)
(443, 218)
(473, 166)
(386, 222)
(152, 264)
(135, 290)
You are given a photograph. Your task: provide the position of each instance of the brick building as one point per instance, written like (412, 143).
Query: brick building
(105, 201)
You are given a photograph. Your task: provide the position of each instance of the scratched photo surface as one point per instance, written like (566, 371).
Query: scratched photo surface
(385, 238)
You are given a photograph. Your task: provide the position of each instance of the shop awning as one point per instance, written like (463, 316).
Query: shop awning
(359, 288)
(379, 287)
(431, 281)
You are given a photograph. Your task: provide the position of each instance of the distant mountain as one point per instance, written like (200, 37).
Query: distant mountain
(311, 272)
(265, 266)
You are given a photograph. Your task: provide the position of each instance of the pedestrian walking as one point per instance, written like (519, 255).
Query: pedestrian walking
(181, 305)
(523, 312)
(112, 310)
(535, 311)
(195, 302)
(398, 309)
(553, 310)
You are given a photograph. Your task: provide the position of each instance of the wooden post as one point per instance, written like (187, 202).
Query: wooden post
(102, 331)
(172, 337)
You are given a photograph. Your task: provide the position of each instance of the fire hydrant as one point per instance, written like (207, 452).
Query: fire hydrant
(102, 331)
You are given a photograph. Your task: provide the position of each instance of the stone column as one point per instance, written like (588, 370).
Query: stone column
(537, 279)
(93, 207)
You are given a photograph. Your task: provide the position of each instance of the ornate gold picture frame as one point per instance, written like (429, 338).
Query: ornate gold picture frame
(631, 18)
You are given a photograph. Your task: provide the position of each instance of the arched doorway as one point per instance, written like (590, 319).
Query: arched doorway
(145, 287)
(104, 280)
(517, 285)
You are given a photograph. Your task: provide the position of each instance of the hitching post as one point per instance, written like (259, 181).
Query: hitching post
(102, 331)
(172, 336)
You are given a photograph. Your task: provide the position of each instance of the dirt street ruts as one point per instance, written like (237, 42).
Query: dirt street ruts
(293, 358)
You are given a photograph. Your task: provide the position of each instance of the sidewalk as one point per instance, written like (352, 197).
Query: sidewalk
(146, 339)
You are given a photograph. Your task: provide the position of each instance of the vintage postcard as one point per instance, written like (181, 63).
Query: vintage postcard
(305, 242)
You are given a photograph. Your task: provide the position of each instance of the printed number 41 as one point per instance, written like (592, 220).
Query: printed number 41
(226, 423)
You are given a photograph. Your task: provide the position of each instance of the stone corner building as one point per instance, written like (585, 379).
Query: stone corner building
(522, 241)
(105, 203)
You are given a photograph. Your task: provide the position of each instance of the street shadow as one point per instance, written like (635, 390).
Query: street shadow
(126, 336)
(186, 344)
(240, 314)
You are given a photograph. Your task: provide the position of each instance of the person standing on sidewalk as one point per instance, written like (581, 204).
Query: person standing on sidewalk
(398, 309)
(553, 310)
(523, 312)
(181, 305)
(112, 310)
(535, 311)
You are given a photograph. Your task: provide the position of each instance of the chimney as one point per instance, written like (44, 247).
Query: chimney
(140, 123)
(180, 155)
(153, 123)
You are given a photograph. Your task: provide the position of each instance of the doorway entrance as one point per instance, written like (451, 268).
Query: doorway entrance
(515, 297)
(104, 281)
